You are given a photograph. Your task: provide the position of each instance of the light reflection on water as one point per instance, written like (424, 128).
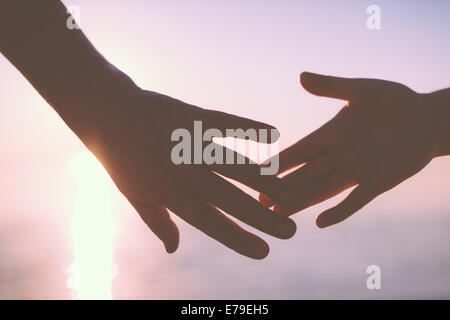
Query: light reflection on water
(405, 232)
(92, 230)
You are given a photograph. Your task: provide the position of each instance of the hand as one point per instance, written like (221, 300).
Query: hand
(130, 134)
(129, 130)
(385, 134)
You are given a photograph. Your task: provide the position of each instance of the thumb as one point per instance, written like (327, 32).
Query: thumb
(333, 87)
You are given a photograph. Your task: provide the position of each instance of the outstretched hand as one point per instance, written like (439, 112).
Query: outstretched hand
(129, 130)
(385, 134)
(131, 135)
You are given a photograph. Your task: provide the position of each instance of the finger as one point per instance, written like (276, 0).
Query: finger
(333, 87)
(241, 128)
(250, 174)
(357, 199)
(216, 225)
(213, 189)
(315, 193)
(157, 218)
(313, 171)
(265, 200)
(304, 150)
(310, 172)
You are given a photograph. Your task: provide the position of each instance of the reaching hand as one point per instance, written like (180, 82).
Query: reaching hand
(385, 134)
(131, 136)
(130, 129)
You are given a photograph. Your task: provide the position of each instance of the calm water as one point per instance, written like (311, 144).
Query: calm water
(48, 250)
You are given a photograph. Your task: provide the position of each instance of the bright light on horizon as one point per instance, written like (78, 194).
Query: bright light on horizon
(92, 230)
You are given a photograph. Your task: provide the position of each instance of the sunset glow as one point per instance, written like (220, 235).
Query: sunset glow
(92, 230)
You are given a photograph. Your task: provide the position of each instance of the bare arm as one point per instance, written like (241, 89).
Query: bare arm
(61, 63)
(129, 130)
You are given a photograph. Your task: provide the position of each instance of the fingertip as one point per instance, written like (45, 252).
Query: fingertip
(172, 244)
(261, 250)
(323, 222)
(320, 225)
(289, 229)
(170, 248)
(313, 82)
(303, 79)
(305, 76)
(170, 238)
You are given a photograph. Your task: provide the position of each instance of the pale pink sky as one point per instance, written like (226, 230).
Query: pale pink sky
(242, 58)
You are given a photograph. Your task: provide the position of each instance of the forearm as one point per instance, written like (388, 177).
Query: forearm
(59, 62)
(440, 101)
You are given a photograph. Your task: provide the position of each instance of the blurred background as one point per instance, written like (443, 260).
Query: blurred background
(66, 231)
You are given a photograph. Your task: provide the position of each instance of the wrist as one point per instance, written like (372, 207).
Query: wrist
(440, 102)
(80, 91)
(93, 100)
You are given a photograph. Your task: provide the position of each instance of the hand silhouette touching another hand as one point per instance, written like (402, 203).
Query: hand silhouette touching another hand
(385, 134)
(131, 136)
(129, 130)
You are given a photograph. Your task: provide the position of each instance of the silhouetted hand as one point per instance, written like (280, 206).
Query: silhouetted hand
(129, 131)
(385, 134)
(131, 137)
